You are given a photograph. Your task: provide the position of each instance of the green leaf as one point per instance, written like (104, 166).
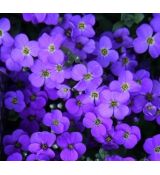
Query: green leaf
(12, 116)
(71, 57)
(117, 25)
(138, 17)
(127, 19)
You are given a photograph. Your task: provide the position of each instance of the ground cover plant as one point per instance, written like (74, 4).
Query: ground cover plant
(80, 87)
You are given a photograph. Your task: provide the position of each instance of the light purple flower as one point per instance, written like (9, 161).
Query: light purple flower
(56, 121)
(152, 147)
(24, 50)
(98, 125)
(113, 105)
(146, 40)
(88, 76)
(126, 135)
(105, 53)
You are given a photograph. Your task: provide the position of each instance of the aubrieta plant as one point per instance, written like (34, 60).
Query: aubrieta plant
(81, 87)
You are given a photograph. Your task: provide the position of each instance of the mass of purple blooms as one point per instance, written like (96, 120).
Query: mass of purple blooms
(78, 94)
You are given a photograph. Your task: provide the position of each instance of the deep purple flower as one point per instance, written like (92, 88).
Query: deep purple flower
(98, 125)
(31, 119)
(56, 121)
(5, 37)
(83, 25)
(14, 101)
(152, 147)
(35, 97)
(72, 148)
(118, 158)
(88, 76)
(114, 104)
(81, 47)
(120, 38)
(125, 62)
(146, 40)
(16, 142)
(15, 157)
(41, 143)
(126, 135)
(24, 50)
(105, 53)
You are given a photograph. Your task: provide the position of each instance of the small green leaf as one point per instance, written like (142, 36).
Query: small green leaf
(138, 17)
(117, 25)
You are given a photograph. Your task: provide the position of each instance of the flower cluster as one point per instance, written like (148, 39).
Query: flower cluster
(75, 92)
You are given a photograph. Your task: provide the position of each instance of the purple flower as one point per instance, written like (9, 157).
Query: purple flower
(147, 41)
(72, 148)
(38, 157)
(114, 104)
(41, 143)
(75, 106)
(35, 98)
(94, 95)
(120, 38)
(15, 157)
(5, 37)
(155, 23)
(152, 147)
(14, 101)
(81, 47)
(42, 73)
(49, 19)
(149, 111)
(118, 158)
(88, 76)
(125, 62)
(24, 50)
(127, 135)
(150, 94)
(34, 17)
(56, 121)
(142, 77)
(125, 84)
(16, 142)
(83, 25)
(105, 53)
(31, 119)
(64, 91)
(108, 141)
(98, 125)
(49, 47)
